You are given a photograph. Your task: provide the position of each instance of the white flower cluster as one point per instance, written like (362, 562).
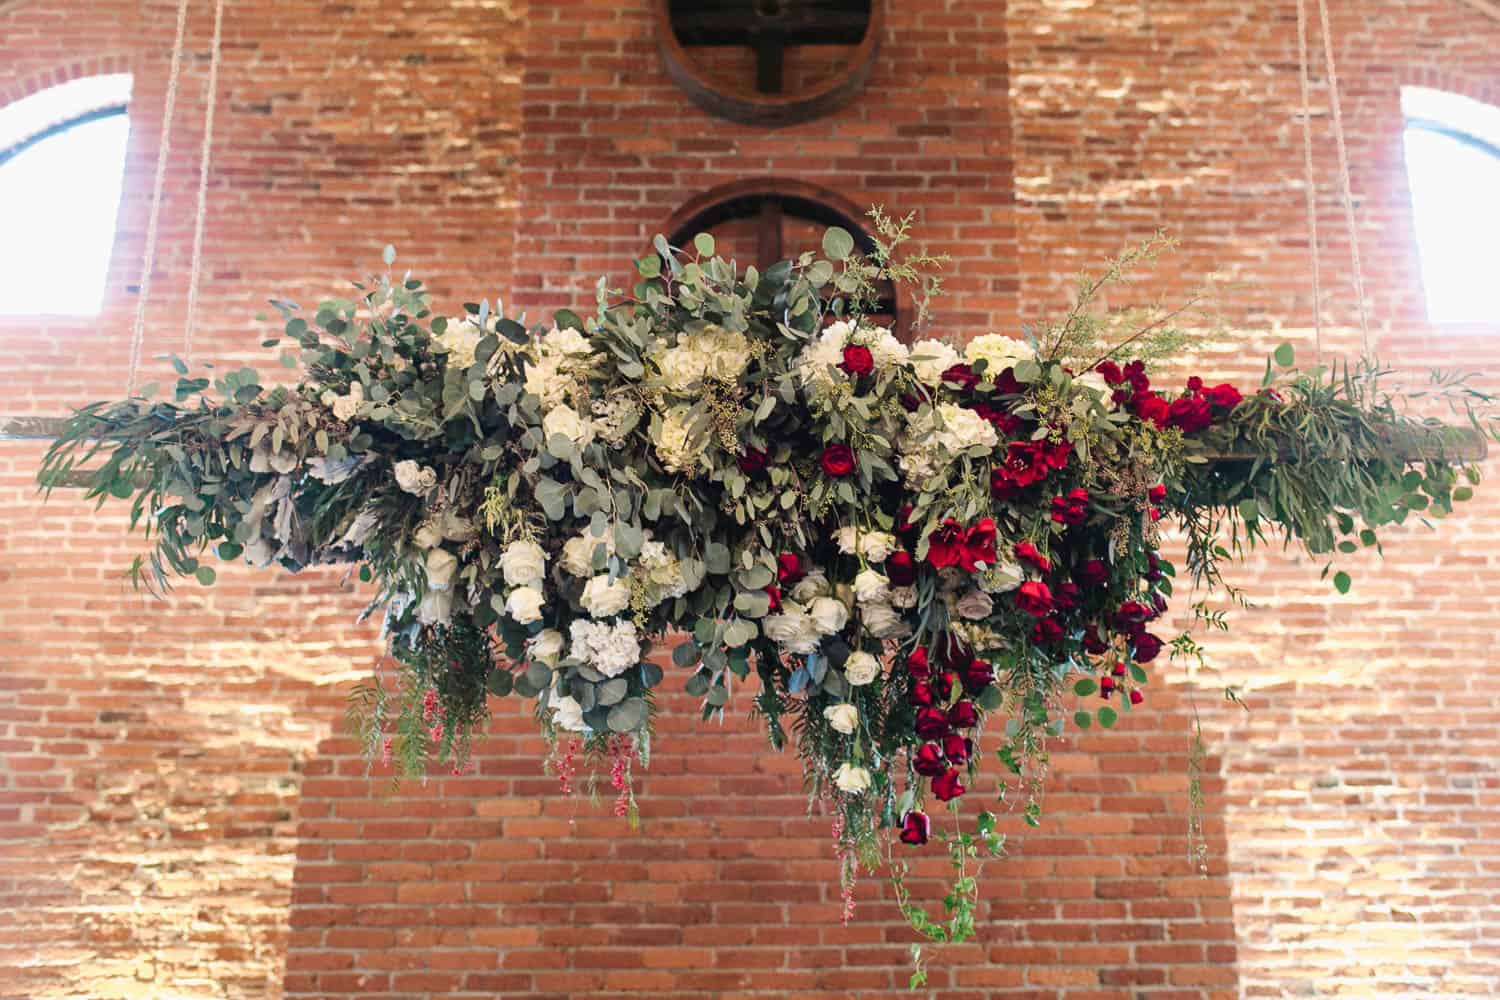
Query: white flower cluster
(679, 441)
(875, 546)
(806, 616)
(567, 714)
(460, 339)
(710, 353)
(603, 596)
(557, 358)
(933, 436)
(930, 358)
(524, 565)
(610, 649)
(817, 365)
(659, 574)
(998, 351)
(615, 418)
(345, 407)
(415, 479)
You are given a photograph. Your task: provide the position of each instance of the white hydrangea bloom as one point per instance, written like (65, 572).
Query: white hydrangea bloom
(678, 447)
(565, 420)
(460, 340)
(659, 573)
(847, 539)
(961, 428)
(818, 359)
(930, 358)
(546, 380)
(884, 347)
(998, 351)
(609, 648)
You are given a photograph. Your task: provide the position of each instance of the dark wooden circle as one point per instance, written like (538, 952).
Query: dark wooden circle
(786, 198)
(750, 107)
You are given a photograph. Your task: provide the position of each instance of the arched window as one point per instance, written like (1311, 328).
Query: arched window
(1453, 166)
(62, 163)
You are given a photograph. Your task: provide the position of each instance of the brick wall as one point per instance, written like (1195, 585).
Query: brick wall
(176, 815)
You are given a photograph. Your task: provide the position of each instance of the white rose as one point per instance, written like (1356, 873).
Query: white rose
(436, 607)
(429, 535)
(1004, 577)
(441, 565)
(1094, 382)
(883, 622)
(930, 358)
(814, 584)
(974, 605)
(861, 668)
(843, 718)
(870, 586)
(828, 615)
(578, 553)
(565, 420)
(877, 546)
(962, 429)
(345, 407)
(902, 597)
(524, 605)
(413, 478)
(603, 597)
(999, 351)
(851, 779)
(847, 539)
(794, 629)
(568, 714)
(524, 563)
(546, 646)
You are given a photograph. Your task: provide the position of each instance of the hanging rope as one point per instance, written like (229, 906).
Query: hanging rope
(138, 336)
(1348, 187)
(205, 158)
(1310, 182)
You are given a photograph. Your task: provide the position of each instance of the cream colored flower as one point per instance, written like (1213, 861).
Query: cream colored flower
(998, 351)
(524, 605)
(974, 605)
(677, 445)
(843, 718)
(414, 478)
(1001, 578)
(567, 714)
(565, 420)
(441, 565)
(883, 622)
(545, 647)
(870, 586)
(603, 597)
(814, 584)
(930, 358)
(877, 546)
(861, 668)
(828, 614)
(524, 563)
(578, 552)
(960, 429)
(852, 779)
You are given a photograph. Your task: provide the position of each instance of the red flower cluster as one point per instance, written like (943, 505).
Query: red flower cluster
(1072, 509)
(954, 545)
(1028, 463)
(941, 725)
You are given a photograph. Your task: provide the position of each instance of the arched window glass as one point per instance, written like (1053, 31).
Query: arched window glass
(1453, 166)
(62, 164)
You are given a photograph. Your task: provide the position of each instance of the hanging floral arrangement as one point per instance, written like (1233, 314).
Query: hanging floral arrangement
(900, 542)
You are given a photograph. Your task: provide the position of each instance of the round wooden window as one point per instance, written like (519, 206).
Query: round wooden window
(763, 221)
(769, 62)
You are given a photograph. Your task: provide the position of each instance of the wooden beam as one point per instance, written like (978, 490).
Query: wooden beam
(30, 428)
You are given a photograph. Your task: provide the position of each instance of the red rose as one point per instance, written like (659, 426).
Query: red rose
(958, 749)
(963, 715)
(1031, 556)
(928, 760)
(931, 724)
(1189, 414)
(1130, 614)
(1045, 630)
(1153, 564)
(977, 676)
(1118, 670)
(1067, 595)
(1195, 385)
(1151, 408)
(789, 569)
(1110, 371)
(1157, 493)
(963, 376)
(1006, 383)
(1106, 685)
(904, 527)
(945, 546)
(1146, 647)
(979, 545)
(954, 652)
(921, 694)
(754, 460)
(1135, 374)
(774, 594)
(999, 417)
(942, 686)
(858, 360)
(1136, 697)
(915, 828)
(1092, 642)
(1093, 573)
(911, 402)
(916, 664)
(1034, 598)
(947, 786)
(901, 569)
(1224, 396)
(838, 460)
